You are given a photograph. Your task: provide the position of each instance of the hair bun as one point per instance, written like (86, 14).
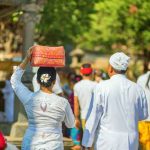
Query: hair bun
(44, 78)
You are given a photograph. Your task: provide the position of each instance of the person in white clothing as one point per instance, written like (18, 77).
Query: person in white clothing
(144, 82)
(9, 101)
(82, 95)
(118, 106)
(144, 126)
(45, 110)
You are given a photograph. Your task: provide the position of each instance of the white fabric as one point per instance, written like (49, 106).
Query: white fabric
(142, 80)
(11, 147)
(9, 101)
(56, 89)
(118, 106)
(83, 90)
(119, 61)
(45, 113)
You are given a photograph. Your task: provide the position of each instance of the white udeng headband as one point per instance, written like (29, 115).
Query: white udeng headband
(44, 78)
(119, 61)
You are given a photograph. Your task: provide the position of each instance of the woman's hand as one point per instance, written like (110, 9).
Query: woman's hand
(26, 59)
(29, 53)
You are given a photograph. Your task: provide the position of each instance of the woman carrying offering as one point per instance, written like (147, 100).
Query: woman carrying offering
(45, 110)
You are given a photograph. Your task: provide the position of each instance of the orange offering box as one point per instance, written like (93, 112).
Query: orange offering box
(45, 56)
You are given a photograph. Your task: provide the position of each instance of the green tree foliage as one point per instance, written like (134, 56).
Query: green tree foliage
(102, 25)
(63, 20)
(125, 23)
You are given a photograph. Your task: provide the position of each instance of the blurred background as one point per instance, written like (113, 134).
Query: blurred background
(89, 30)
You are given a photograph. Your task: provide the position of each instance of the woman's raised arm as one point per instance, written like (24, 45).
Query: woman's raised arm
(23, 93)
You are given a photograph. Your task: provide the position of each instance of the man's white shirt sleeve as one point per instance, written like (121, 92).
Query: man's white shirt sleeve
(93, 120)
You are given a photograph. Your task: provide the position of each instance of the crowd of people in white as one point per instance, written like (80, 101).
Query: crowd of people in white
(108, 112)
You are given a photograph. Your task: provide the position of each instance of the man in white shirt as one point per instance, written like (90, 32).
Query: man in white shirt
(82, 95)
(118, 106)
(144, 126)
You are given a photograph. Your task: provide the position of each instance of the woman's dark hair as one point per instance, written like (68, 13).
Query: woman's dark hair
(46, 75)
